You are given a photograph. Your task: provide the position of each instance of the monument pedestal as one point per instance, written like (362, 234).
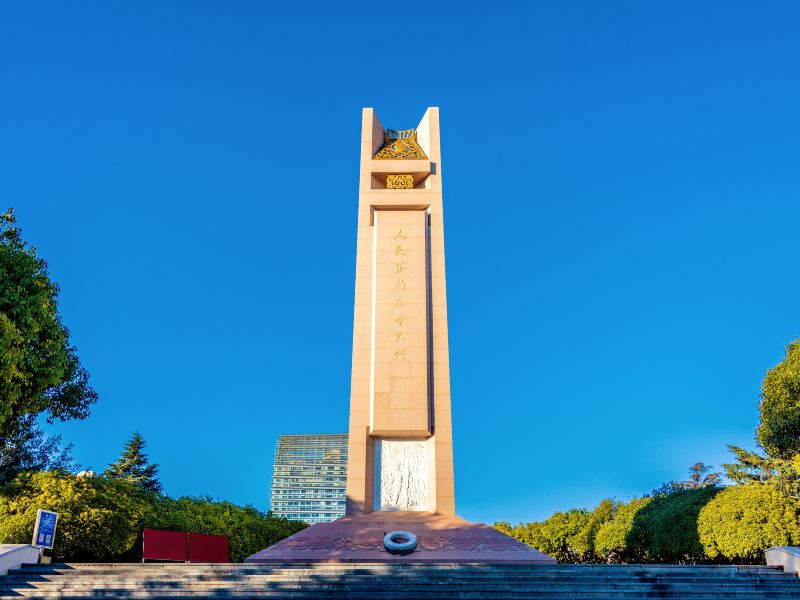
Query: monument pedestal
(440, 539)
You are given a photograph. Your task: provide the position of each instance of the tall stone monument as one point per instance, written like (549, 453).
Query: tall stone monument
(400, 463)
(401, 449)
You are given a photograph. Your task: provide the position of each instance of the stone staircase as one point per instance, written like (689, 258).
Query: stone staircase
(397, 580)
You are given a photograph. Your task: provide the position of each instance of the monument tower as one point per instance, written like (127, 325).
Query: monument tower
(400, 449)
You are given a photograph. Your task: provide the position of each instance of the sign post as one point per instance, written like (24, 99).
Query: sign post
(44, 533)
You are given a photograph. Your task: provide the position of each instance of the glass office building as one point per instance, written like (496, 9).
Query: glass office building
(309, 477)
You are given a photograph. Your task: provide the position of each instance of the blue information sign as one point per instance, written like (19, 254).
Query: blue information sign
(44, 534)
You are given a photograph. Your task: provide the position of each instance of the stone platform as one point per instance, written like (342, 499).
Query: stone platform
(440, 539)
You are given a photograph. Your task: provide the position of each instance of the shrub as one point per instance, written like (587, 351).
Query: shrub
(557, 535)
(612, 540)
(666, 529)
(248, 529)
(98, 519)
(505, 527)
(584, 542)
(742, 521)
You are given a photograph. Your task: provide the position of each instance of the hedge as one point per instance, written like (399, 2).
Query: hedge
(741, 522)
(707, 524)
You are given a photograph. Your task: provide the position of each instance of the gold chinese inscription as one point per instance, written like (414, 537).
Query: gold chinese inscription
(400, 241)
(400, 181)
(400, 144)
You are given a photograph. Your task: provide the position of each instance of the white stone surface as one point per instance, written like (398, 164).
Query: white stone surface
(787, 557)
(401, 475)
(14, 555)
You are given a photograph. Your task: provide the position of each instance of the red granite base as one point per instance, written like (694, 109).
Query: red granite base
(440, 538)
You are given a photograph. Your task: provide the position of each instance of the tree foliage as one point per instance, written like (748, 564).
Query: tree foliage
(134, 466)
(665, 529)
(740, 522)
(753, 468)
(779, 429)
(566, 536)
(28, 449)
(39, 367)
(613, 540)
(557, 535)
(700, 475)
(584, 543)
(704, 524)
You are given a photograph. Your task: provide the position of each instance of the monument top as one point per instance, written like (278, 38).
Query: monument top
(400, 145)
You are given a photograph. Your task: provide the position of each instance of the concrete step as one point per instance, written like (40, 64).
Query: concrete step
(427, 594)
(240, 567)
(365, 580)
(189, 571)
(404, 582)
(408, 579)
(368, 586)
(555, 589)
(409, 576)
(43, 578)
(575, 584)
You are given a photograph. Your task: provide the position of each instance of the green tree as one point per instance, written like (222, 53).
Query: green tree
(700, 476)
(666, 529)
(779, 430)
(753, 468)
(133, 465)
(612, 541)
(39, 367)
(557, 536)
(741, 522)
(28, 449)
(504, 527)
(584, 542)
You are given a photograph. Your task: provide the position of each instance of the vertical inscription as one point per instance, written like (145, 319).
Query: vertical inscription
(400, 373)
(399, 288)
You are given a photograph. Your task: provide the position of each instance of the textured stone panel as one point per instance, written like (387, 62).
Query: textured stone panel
(401, 475)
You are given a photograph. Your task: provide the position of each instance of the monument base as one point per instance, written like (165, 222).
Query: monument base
(440, 538)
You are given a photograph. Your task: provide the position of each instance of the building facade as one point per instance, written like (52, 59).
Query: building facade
(309, 477)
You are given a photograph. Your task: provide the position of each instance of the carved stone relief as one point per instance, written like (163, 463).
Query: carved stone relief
(401, 475)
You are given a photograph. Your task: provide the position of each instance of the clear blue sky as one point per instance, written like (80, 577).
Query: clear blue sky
(621, 213)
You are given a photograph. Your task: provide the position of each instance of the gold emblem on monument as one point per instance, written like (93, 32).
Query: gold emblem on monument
(400, 182)
(400, 144)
